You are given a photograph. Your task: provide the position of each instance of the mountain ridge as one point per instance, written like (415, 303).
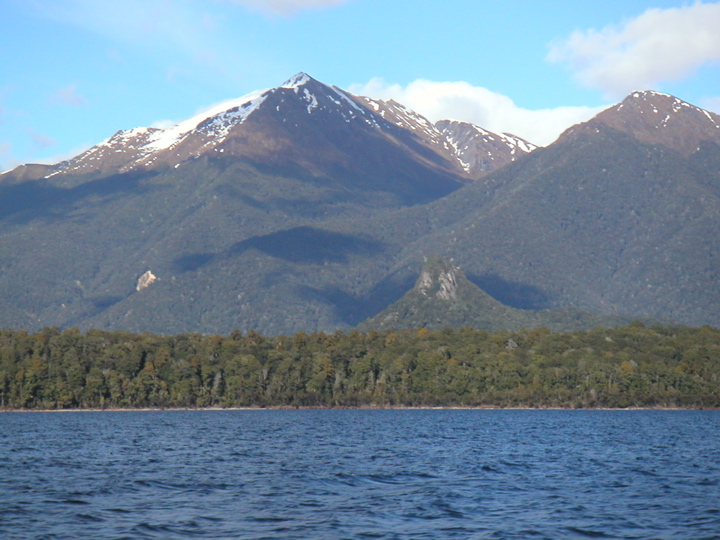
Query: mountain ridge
(207, 131)
(316, 209)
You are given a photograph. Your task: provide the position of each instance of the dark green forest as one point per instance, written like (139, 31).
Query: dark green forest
(631, 366)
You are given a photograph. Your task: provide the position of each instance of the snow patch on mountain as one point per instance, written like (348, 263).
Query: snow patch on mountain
(311, 99)
(405, 118)
(217, 119)
(480, 151)
(458, 151)
(515, 143)
(141, 146)
(658, 100)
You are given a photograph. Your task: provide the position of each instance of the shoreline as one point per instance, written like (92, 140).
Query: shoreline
(366, 408)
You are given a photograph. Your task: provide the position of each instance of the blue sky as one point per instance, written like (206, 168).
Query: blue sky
(75, 71)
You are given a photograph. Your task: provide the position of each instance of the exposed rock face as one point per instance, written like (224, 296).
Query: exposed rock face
(144, 281)
(439, 278)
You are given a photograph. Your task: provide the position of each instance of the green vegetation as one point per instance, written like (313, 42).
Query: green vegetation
(629, 366)
(443, 297)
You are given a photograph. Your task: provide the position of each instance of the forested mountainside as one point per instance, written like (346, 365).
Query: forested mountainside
(443, 297)
(605, 219)
(306, 208)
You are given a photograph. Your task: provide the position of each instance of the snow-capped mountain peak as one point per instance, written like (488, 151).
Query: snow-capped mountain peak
(207, 130)
(287, 107)
(297, 80)
(664, 105)
(658, 118)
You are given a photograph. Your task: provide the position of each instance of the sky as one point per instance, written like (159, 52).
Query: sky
(73, 72)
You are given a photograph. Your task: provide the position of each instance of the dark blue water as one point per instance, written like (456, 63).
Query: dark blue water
(360, 474)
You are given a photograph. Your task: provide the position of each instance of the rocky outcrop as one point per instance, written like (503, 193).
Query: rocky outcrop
(443, 297)
(144, 281)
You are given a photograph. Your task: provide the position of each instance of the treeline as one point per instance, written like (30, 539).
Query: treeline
(623, 367)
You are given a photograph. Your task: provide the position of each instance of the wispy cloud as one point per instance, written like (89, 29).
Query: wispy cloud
(659, 45)
(40, 140)
(711, 104)
(209, 41)
(172, 32)
(63, 156)
(69, 96)
(285, 7)
(475, 104)
(7, 160)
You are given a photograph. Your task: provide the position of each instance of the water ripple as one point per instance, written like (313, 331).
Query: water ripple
(361, 474)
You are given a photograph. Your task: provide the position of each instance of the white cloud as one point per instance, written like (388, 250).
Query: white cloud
(7, 161)
(711, 104)
(475, 104)
(69, 96)
(163, 124)
(286, 7)
(659, 45)
(63, 156)
(175, 31)
(41, 141)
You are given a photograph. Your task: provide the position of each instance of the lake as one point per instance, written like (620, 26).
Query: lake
(360, 474)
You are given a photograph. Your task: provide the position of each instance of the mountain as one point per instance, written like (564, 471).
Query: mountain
(304, 207)
(443, 297)
(302, 128)
(659, 119)
(237, 213)
(309, 126)
(480, 151)
(615, 217)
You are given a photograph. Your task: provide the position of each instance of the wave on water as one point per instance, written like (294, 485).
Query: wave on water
(397, 474)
